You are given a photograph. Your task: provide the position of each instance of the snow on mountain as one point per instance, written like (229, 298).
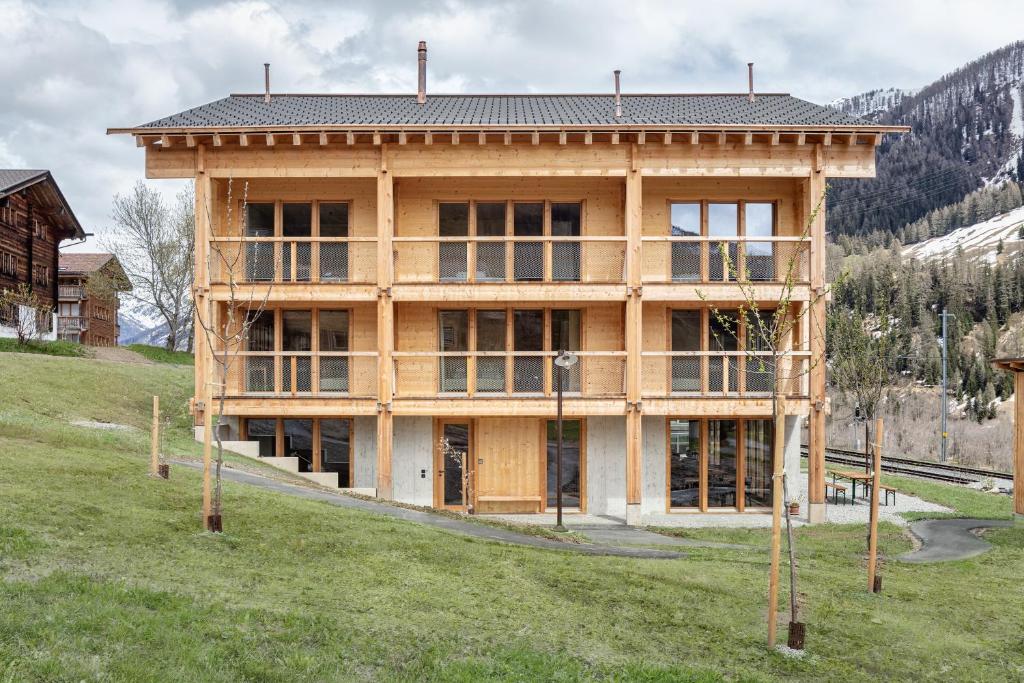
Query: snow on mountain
(872, 102)
(140, 323)
(978, 241)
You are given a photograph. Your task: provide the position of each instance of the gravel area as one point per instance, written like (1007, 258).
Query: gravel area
(857, 512)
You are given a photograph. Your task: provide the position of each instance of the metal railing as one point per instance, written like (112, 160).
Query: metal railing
(289, 373)
(510, 259)
(71, 323)
(717, 373)
(429, 374)
(725, 259)
(75, 292)
(293, 259)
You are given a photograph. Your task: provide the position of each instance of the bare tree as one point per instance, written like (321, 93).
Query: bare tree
(154, 244)
(226, 338)
(23, 310)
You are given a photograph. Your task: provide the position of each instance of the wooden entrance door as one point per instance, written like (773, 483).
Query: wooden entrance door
(453, 460)
(508, 464)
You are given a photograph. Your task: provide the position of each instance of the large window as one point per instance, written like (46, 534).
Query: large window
(572, 473)
(453, 221)
(686, 335)
(491, 336)
(296, 255)
(320, 444)
(294, 352)
(336, 449)
(725, 256)
(454, 329)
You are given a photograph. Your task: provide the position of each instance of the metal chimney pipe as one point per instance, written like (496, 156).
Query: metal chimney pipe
(618, 95)
(266, 80)
(750, 81)
(421, 93)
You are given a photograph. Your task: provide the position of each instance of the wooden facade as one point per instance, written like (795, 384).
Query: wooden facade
(88, 298)
(469, 255)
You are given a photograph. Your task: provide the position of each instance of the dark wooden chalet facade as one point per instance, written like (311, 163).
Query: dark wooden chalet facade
(87, 308)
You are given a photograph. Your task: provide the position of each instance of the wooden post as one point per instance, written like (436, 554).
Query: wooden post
(385, 323)
(634, 325)
(154, 441)
(1018, 445)
(873, 530)
(814, 201)
(778, 453)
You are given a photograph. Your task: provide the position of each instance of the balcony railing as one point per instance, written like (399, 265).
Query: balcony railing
(718, 373)
(431, 374)
(292, 373)
(726, 259)
(69, 324)
(74, 292)
(509, 259)
(276, 260)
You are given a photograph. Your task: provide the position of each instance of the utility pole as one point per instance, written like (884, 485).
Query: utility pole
(945, 395)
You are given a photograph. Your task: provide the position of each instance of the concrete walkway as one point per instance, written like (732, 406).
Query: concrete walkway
(458, 526)
(945, 540)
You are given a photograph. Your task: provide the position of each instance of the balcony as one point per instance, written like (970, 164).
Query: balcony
(695, 259)
(71, 324)
(599, 374)
(333, 374)
(70, 292)
(722, 373)
(281, 260)
(599, 260)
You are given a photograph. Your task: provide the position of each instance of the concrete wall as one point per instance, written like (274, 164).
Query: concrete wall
(652, 472)
(606, 466)
(28, 324)
(796, 480)
(412, 460)
(364, 452)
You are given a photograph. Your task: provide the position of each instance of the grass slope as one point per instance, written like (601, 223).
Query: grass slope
(159, 354)
(105, 576)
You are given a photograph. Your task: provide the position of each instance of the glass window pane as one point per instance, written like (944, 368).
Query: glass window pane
(565, 330)
(490, 219)
(297, 329)
(490, 330)
(261, 331)
(528, 330)
(685, 219)
(686, 330)
(263, 431)
(760, 219)
(298, 442)
(259, 220)
(721, 463)
(454, 330)
(453, 219)
(723, 219)
(334, 330)
(333, 219)
(758, 466)
(723, 328)
(455, 448)
(571, 438)
(297, 220)
(528, 219)
(335, 449)
(684, 463)
(566, 219)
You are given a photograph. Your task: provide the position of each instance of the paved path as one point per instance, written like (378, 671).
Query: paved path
(945, 540)
(477, 530)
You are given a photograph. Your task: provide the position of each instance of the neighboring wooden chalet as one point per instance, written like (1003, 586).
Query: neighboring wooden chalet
(88, 290)
(424, 256)
(34, 219)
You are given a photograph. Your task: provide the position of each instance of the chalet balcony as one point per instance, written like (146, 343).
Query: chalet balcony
(598, 374)
(722, 373)
(281, 260)
(599, 260)
(696, 259)
(332, 374)
(68, 324)
(71, 292)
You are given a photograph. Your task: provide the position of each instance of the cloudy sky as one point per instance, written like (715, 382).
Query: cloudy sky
(71, 69)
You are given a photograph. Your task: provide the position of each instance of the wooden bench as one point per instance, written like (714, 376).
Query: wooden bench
(886, 490)
(836, 490)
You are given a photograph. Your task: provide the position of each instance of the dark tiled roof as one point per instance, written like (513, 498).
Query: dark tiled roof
(83, 263)
(284, 111)
(16, 178)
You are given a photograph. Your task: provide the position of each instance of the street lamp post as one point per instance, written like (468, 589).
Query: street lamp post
(563, 361)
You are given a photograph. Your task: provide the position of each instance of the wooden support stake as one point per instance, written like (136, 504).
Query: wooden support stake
(777, 494)
(154, 442)
(873, 530)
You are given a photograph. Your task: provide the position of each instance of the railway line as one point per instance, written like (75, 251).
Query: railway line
(951, 474)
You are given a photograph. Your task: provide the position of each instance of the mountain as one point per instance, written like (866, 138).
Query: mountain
(140, 323)
(967, 130)
(979, 242)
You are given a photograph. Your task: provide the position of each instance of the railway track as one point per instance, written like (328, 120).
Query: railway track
(951, 474)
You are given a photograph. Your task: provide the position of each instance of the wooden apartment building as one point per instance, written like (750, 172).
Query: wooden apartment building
(423, 258)
(34, 219)
(88, 303)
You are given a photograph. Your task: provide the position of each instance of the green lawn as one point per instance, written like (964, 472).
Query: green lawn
(159, 354)
(46, 348)
(107, 577)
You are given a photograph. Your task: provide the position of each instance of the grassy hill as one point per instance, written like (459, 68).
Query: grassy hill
(106, 576)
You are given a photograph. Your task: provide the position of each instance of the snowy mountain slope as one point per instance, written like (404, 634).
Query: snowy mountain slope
(872, 103)
(978, 241)
(140, 323)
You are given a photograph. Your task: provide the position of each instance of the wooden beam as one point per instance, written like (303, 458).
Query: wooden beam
(721, 138)
(296, 139)
(165, 141)
(243, 140)
(323, 139)
(667, 139)
(561, 137)
(481, 138)
(401, 137)
(748, 138)
(775, 138)
(535, 138)
(634, 333)
(814, 214)
(641, 138)
(694, 138)
(588, 138)
(190, 140)
(385, 324)
(508, 137)
(350, 138)
(827, 140)
(801, 138)
(376, 139)
(615, 138)
(270, 139)
(852, 140)
(428, 138)
(878, 139)
(217, 142)
(455, 137)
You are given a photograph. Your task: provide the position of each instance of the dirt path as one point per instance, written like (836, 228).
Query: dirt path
(118, 354)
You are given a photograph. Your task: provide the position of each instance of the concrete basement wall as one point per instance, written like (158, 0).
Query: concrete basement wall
(412, 458)
(791, 461)
(364, 451)
(652, 470)
(606, 466)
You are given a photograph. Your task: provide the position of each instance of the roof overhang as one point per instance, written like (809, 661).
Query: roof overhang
(1009, 364)
(57, 205)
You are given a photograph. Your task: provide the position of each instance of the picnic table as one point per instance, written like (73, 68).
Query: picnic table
(854, 477)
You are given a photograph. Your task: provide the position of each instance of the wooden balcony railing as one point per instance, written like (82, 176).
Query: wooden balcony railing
(720, 373)
(725, 259)
(71, 323)
(74, 292)
(351, 374)
(509, 259)
(276, 260)
(521, 374)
